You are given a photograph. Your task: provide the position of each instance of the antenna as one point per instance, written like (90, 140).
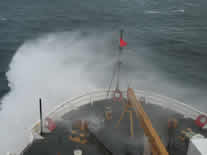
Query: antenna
(41, 122)
(121, 34)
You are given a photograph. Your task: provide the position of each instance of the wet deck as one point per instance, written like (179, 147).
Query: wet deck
(118, 140)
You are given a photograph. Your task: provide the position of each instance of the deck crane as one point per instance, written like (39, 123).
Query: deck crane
(156, 145)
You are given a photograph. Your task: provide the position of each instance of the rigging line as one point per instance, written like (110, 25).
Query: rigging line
(118, 70)
(113, 76)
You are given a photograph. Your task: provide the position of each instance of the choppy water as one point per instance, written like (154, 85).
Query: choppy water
(173, 31)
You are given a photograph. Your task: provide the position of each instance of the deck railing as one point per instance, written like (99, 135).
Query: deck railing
(152, 98)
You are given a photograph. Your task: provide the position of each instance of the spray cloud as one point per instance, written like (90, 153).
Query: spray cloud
(54, 67)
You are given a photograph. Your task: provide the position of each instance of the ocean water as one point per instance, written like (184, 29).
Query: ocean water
(166, 52)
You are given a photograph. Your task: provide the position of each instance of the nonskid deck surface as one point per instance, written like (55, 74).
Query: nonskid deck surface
(116, 139)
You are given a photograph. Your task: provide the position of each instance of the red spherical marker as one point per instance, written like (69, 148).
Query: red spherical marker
(50, 124)
(201, 120)
(117, 96)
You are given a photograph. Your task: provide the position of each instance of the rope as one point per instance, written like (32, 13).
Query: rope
(113, 76)
(118, 69)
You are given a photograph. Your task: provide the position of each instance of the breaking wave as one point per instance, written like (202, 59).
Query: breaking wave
(164, 12)
(54, 67)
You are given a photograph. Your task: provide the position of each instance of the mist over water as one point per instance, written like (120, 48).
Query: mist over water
(52, 67)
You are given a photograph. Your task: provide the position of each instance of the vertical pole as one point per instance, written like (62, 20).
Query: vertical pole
(41, 126)
(131, 123)
(121, 34)
(121, 37)
(119, 60)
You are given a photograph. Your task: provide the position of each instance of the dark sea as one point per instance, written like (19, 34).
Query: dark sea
(174, 31)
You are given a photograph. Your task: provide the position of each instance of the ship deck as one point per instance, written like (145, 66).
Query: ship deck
(116, 139)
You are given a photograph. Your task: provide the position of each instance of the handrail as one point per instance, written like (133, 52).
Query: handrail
(163, 101)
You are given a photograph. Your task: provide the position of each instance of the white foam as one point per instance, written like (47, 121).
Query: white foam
(53, 67)
(181, 10)
(3, 18)
(152, 12)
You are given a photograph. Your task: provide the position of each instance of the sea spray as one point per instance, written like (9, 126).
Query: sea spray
(55, 67)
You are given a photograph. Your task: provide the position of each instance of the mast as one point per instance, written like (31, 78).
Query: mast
(119, 61)
(117, 67)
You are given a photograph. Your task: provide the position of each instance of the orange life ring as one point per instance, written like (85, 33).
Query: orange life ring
(117, 96)
(201, 120)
